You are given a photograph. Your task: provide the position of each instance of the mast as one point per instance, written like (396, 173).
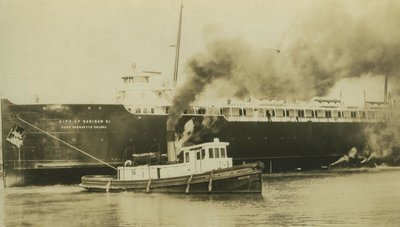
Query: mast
(178, 44)
(385, 95)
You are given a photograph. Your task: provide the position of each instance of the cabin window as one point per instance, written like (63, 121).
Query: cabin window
(201, 111)
(223, 154)
(152, 110)
(216, 151)
(308, 113)
(210, 153)
(198, 155)
(186, 156)
(363, 115)
(203, 153)
(300, 113)
(242, 112)
(137, 110)
(280, 113)
(225, 111)
(339, 114)
(249, 112)
(167, 110)
(287, 113)
(353, 114)
(145, 110)
(328, 114)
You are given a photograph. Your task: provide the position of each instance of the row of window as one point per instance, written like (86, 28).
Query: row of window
(142, 110)
(212, 153)
(275, 112)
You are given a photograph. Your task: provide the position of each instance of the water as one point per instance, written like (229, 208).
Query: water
(364, 197)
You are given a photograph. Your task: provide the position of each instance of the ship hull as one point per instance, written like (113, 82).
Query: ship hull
(113, 134)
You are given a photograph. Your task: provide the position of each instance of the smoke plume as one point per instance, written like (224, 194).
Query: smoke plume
(203, 72)
(333, 40)
(383, 143)
(195, 129)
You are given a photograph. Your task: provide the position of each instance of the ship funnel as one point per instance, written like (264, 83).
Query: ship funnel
(171, 146)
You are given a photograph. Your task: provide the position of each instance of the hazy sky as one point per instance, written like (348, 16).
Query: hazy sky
(75, 51)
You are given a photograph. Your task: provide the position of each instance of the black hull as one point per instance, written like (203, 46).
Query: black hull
(240, 179)
(113, 134)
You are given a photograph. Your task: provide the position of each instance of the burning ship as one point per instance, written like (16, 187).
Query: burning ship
(283, 136)
(40, 140)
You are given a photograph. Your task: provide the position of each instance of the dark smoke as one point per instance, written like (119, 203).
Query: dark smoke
(337, 42)
(196, 129)
(204, 72)
(333, 40)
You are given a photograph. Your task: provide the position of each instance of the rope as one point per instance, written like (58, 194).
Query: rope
(210, 182)
(188, 184)
(148, 186)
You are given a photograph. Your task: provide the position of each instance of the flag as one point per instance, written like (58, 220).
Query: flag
(16, 136)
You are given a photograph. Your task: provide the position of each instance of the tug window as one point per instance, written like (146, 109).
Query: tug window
(186, 156)
(216, 151)
(198, 155)
(210, 153)
(223, 154)
(203, 153)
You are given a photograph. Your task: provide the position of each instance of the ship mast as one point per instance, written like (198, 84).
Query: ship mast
(385, 95)
(178, 44)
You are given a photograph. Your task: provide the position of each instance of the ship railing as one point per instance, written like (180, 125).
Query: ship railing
(298, 119)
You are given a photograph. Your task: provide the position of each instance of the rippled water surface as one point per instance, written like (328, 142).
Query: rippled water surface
(364, 197)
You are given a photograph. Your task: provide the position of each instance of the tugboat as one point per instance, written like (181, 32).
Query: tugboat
(205, 168)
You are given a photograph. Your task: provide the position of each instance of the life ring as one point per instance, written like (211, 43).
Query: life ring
(128, 163)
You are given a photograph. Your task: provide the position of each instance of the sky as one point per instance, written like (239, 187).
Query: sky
(75, 51)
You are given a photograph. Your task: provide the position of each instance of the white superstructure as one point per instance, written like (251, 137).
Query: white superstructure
(197, 159)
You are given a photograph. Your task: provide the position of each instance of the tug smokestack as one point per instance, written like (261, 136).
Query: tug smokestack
(171, 146)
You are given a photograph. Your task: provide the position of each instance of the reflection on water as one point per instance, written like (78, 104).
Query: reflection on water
(361, 197)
